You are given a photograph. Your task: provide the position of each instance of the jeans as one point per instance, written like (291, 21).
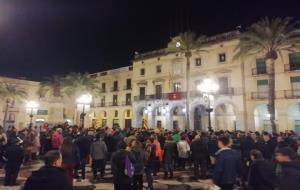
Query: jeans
(98, 165)
(81, 166)
(148, 171)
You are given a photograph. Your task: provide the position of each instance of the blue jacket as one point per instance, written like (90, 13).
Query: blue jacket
(227, 168)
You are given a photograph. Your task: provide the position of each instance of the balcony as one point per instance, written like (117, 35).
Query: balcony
(291, 67)
(127, 103)
(292, 94)
(97, 105)
(261, 71)
(113, 104)
(127, 88)
(151, 97)
(259, 95)
(114, 89)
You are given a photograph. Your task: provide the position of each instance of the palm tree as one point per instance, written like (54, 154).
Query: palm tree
(11, 93)
(75, 84)
(270, 37)
(52, 86)
(185, 43)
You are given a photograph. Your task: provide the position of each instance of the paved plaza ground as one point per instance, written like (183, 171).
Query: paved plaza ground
(106, 184)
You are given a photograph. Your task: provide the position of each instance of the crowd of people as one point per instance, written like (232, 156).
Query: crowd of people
(251, 160)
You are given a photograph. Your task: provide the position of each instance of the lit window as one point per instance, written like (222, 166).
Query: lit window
(222, 57)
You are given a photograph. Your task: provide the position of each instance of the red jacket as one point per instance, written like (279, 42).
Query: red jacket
(56, 140)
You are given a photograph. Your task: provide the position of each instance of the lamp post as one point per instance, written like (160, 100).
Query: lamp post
(83, 102)
(32, 107)
(208, 87)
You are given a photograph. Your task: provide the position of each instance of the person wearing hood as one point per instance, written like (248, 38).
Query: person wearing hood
(51, 176)
(169, 156)
(288, 169)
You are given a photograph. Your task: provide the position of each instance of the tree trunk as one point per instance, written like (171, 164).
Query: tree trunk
(272, 96)
(188, 55)
(5, 114)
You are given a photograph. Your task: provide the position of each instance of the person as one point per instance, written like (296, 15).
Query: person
(83, 143)
(183, 151)
(57, 139)
(150, 161)
(227, 165)
(267, 146)
(49, 177)
(98, 155)
(70, 156)
(288, 169)
(137, 153)
(13, 156)
(168, 156)
(262, 174)
(199, 156)
(121, 180)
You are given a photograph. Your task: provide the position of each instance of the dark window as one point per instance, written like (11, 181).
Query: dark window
(158, 91)
(142, 72)
(128, 113)
(222, 57)
(116, 113)
(158, 124)
(103, 87)
(142, 93)
(103, 101)
(198, 62)
(158, 68)
(115, 85)
(261, 66)
(128, 84)
(294, 59)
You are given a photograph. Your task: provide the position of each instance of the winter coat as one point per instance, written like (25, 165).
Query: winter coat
(13, 155)
(227, 167)
(48, 178)
(289, 176)
(183, 149)
(84, 145)
(199, 150)
(118, 167)
(70, 156)
(138, 155)
(98, 150)
(169, 152)
(262, 175)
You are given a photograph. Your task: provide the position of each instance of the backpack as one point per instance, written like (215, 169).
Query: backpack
(129, 168)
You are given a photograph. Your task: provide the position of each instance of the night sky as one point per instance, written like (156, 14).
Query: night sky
(39, 38)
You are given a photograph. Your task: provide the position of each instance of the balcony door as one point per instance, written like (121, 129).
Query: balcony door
(158, 91)
(262, 88)
(261, 66)
(295, 83)
(142, 93)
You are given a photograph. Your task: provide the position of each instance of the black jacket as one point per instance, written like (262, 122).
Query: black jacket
(84, 146)
(262, 175)
(14, 155)
(289, 177)
(199, 150)
(118, 166)
(48, 178)
(169, 152)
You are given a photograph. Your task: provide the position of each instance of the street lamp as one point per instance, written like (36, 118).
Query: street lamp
(208, 87)
(32, 107)
(83, 102)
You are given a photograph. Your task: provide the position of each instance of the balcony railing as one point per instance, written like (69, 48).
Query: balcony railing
(127, 88)
(259, 95)
(291, 67)
(127, 103)
(291, 94)
(151, 97)
(113, 104)
(261, 71)
(97, 105)
(114, 89)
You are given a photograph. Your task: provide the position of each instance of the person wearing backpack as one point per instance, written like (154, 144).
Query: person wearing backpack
(122, 166)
